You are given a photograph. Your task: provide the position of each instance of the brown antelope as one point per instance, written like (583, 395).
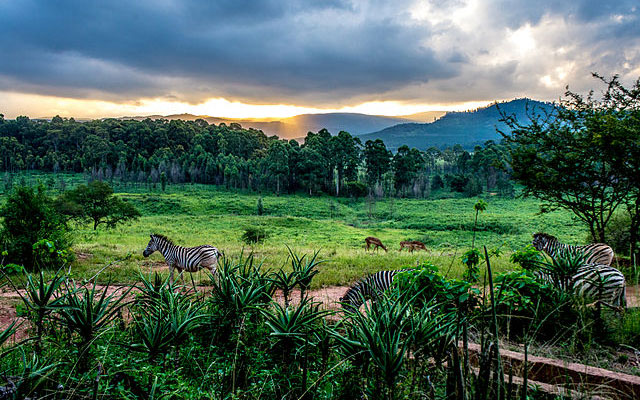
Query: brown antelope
(417, 245)
(374, 241)
(407, 244)
(412, 245)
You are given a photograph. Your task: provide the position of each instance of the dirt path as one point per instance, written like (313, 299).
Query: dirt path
(329, 296)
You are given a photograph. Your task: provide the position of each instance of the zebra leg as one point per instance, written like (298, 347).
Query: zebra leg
(170, 274)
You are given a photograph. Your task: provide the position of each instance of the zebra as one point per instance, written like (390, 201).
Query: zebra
(595, 253)
(368, 288)
(604, 283)
(189, 259)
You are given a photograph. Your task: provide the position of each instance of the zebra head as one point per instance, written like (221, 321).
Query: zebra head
(541, 240)
(352, 299)
(151, 247)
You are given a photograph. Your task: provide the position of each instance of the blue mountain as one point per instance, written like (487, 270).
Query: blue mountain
(466, 128)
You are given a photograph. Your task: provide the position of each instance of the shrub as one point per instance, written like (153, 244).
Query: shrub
(437, 183)
(524, 303)
(253, 235)
(528, 257)
(618, 233)
(457, 183)
(260, 206)
(473, 187)
(28, 218)
(355, 189)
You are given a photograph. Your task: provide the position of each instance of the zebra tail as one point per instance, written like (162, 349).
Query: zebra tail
(623, 297)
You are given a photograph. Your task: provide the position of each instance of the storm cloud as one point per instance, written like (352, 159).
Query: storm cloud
(314, 52)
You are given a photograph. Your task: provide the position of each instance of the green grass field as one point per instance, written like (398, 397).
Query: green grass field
(199, 214)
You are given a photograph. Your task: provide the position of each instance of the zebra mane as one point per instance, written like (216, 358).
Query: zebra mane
(163, 237)
(544, 236)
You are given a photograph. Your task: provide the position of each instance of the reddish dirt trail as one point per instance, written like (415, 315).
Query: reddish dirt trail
(329, 296)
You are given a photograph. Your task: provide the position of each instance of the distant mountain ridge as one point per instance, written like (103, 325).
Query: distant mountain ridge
(467, 128)
(299, 125)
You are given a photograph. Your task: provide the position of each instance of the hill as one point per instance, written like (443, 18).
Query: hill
(299, 125)
(467, 128)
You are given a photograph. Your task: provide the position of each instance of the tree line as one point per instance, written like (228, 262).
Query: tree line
(162, 151)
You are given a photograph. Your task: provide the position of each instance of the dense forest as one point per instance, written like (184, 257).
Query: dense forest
(160, 151)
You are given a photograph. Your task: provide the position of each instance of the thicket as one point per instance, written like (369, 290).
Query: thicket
(156, 340)
(33, 232)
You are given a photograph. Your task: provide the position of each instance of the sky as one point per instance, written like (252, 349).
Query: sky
(279, 58)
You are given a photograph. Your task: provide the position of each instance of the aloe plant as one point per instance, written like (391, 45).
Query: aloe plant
(305, 270)
(88, 311)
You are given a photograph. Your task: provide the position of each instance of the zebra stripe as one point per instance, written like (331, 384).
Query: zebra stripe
(189, 259)
(368, 288)
(601, 282)
(596, 253)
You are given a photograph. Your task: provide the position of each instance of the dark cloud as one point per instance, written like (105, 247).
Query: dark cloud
(314, 52)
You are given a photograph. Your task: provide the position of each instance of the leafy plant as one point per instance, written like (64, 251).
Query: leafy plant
(254, 235)
(88, 311)
(528, 257)
(305, 270)
(471, 259)
(28, 216)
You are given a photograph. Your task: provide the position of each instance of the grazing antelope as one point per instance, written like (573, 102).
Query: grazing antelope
(406, 244)
(412, 245)
(183, 258)
(375, 242)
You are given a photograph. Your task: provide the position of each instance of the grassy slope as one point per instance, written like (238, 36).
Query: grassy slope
(197, 214)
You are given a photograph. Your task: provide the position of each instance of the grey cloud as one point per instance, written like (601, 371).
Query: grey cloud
(327, 52)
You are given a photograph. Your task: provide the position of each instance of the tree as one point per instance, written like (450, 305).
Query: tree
(345, 152)
(278, 161)
(377, 160)
(29, 217)
(619, 139)
(96, 202)
(406, 164)
(560, 158)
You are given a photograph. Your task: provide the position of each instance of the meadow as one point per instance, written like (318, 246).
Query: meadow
(193, 214)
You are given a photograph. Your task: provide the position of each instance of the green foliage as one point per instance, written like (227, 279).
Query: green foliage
(28, 218)
(355, 189)
(618, 233)
(96, 202)
(254, 234)
(525, 304)
(260, 207)
(48, 256)
(87, 311)
(471, 258)
(11, 269)
(527, 257)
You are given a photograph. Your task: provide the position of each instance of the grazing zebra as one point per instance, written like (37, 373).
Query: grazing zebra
(368, 288)
(603, 283)
(595, 253)
(189, 259)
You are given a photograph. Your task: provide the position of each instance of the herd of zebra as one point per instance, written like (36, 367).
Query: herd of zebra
(595, 279)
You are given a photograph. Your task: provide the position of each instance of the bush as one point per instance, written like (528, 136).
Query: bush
(618, 233)
(355, 189)
(437, 183)
(48, 254)
(29, 218)
(524, 303)
(473, 187)
(254, 234)
(457, 183)
(528, 258)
